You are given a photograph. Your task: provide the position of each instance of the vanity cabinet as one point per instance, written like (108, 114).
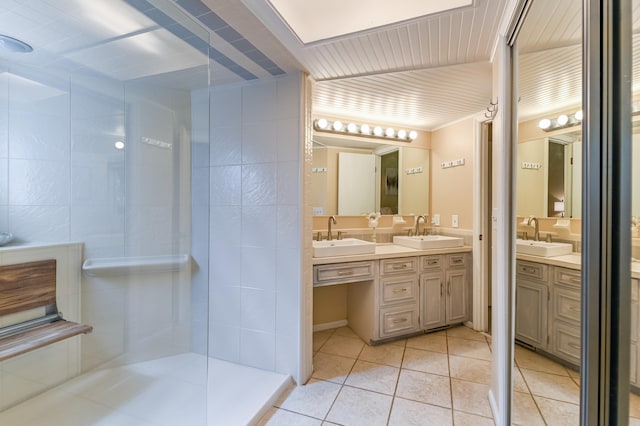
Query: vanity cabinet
(444, 290)
(565, 320)
(634, 361)
(398, 284)
(532, 294)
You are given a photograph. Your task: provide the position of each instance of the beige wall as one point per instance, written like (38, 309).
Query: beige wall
(452, 188)
(414, 188)
(531, 196)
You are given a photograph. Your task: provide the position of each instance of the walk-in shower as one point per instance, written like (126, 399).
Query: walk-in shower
(104, 165)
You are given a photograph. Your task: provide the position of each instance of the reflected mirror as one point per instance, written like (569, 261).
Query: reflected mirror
(356, 176)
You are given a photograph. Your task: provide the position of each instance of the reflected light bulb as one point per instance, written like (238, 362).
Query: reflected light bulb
(402, 134)
(562, 120)
(377, 131)
(413, 134)
(119, 145)
(545, 123)
(322, 123)
(337, 126)
(390, 132)
(365, 129)
(352, 128)
(578, 115)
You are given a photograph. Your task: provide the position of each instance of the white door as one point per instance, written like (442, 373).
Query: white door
(356, 183)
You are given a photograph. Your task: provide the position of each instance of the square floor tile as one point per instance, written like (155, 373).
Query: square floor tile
(313, 399)
(360, 407)
(373, 377)
(346, 332)
(561, 388)
(464, 332)
(519, 384)
(465, 419)
(333, 368)
(634, 405)
(471, 397)
(405, 412)
(343, 346)
(558, 412)
(525, 411)
(320, 338)
(426, 361)
(384, 354)
(429, 342)
(530, 360)
(469, 369)
(424, 387)
(469, 348)
(278, 417)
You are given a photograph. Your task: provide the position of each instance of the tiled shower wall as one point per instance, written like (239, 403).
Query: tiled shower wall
(255, 223)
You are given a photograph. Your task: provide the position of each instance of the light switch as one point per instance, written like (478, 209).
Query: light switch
(454, 220)
(436, 220)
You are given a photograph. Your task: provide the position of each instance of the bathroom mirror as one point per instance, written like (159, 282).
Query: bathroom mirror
(397, 182)
(549, 171)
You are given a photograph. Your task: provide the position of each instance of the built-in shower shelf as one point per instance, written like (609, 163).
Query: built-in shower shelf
(129, 265)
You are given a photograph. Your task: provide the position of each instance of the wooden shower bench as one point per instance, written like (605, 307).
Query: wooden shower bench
(28, 286)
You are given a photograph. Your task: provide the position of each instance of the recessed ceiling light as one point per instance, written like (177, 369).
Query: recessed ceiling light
(315, 20)
(14, 45)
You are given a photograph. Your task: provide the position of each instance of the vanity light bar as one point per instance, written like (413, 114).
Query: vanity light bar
(564, 120)
(324, 125)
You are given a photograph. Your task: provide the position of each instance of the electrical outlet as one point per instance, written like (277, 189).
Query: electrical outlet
(454, 220)
(436, 220)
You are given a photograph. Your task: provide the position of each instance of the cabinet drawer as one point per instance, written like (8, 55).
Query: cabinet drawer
(430, 262)
(536, 271)
(402, 265)
(339, 273)
(566, 302)
(567, 276)
(399, 289)
(398, 320)
(566, 339)
(456, 260)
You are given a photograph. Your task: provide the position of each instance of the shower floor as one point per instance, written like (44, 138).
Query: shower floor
(166, 391)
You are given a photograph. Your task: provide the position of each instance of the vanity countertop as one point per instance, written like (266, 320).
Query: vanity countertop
(571, 261)
(388, 251)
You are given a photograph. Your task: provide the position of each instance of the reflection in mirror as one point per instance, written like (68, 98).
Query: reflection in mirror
(355, 177)
(549, 176)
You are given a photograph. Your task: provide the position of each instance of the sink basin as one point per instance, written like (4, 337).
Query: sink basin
(344, 247)
(541, 248)
(426, 242)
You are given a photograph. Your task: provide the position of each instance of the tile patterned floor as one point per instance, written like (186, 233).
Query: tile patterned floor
(440, 378)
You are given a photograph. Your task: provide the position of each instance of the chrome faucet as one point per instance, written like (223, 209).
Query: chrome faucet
(329, 234)
(424, 219)
(536, 230)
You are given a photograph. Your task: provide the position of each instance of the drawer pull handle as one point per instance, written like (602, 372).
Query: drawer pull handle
(432, 262)
(345, 272)
(457, 260)
(528, 270)
(400, 290)
(574, 280)
(403, 266)
(441, 285)
(400, 320)
(573, 345)
(574, 308)
(449, 288)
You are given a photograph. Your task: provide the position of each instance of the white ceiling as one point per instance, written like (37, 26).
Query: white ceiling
(421, 73)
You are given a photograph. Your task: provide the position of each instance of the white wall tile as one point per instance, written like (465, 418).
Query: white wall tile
(224, 342)
(259, 142)
(226, 186)
(288, 99)
(225, 266)
(258, 349)
(38, 182)
(4, 181)
(288, 183)
(45, 137)
(288, 139)
(259, 226)
(4, 218)
(288, 270)
(226, 145)
(39, 223)
(288, 227)
(259, 184)
(4, 124)
(259, 268)
(200, 186)
(259, 103)
(225, 305)
(287, 353)
(226, 226)
(226, 106)
(258, 310)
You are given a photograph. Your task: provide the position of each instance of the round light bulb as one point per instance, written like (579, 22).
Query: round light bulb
(119, 145)
(337, 126)
(365, 129)
(578, 115)
(413, 134)
(377, 131)
(402, 134)
(562, 120)
(545, 123)
(322, 123)
(352, 128)
(390, 132)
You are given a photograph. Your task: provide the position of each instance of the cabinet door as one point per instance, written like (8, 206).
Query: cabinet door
(456, 283)
(531, 313)
(432, 297)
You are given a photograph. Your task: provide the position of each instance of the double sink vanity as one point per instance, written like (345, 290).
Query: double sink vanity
(398, 289)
